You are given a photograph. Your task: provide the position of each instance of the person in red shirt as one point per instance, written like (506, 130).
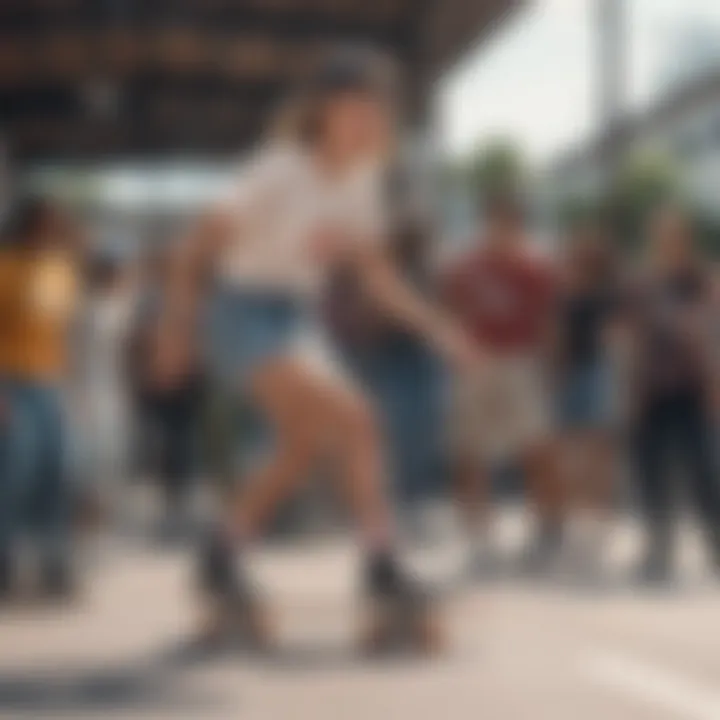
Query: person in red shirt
(503, 292)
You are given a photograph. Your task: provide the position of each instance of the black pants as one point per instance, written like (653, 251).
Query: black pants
(172, 424)
(675, 435)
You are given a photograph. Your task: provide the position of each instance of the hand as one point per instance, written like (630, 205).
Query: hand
(461, 351)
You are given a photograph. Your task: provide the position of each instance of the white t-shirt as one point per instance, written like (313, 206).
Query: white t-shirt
(283, 202)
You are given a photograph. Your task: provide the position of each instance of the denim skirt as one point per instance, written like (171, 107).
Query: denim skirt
(247, 328)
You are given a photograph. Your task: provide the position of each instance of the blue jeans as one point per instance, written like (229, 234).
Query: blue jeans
(405, 380)
(677, 428)
(584, 399)
(33, 490)
(173, 418)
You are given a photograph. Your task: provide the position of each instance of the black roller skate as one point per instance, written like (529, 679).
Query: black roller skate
(401, 615)
(234, 615)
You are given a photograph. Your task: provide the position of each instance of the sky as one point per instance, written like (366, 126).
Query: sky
(533, 81)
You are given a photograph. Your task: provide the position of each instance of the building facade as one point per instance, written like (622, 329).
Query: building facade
(682, 127)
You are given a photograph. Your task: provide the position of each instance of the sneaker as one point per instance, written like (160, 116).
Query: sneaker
(385, 580)
(403, 614)
(218, 572)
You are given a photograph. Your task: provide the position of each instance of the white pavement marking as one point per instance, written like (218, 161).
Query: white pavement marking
(653, 685)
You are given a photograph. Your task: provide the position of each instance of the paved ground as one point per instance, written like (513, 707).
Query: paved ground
(517, 650)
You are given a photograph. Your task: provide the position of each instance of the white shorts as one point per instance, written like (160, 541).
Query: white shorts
(499, 411)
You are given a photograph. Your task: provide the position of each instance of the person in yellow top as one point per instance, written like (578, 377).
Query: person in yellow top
(38, 296)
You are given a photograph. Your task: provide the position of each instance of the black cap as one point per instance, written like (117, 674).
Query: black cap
(353, 69)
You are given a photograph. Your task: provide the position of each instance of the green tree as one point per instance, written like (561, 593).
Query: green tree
(496, 167)
(644, 181)
(577, 210)
(707, 229)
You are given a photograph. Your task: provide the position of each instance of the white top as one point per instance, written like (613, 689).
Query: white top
(284, 202)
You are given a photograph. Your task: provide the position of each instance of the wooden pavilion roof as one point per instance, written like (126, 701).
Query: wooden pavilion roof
(129, 78)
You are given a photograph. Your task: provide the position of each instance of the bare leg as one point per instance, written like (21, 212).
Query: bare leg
(280, 391)
(287, 401)
(400, 611)
(311, 414)
(600, 465)
(471, 483)
(471, 488)
(544, 481)
(546, 487)
(588, 472)
(364, 467)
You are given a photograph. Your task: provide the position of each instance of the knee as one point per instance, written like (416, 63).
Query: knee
(357, 421)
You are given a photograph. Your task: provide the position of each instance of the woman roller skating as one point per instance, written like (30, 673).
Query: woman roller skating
(310, 199)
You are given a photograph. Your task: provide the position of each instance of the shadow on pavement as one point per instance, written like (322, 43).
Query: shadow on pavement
(293, 657)
(127, 687)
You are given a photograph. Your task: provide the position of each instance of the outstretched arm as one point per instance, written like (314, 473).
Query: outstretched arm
(191, 261)
(189, 264)
(403, 304)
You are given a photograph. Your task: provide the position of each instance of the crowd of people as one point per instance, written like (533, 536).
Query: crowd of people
(601, 367)
(599, 374)
(576, 367)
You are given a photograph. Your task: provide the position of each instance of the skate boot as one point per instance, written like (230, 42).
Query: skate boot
(234, 615)
(401, 615)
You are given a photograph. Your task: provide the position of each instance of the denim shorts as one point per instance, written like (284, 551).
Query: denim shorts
(585, 396)
(247, 328)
